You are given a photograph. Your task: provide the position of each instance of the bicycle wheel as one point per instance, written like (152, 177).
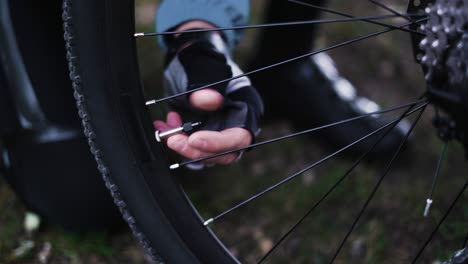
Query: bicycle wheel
(103, 67)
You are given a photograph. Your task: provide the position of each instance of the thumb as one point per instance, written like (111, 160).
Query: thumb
(206, 99)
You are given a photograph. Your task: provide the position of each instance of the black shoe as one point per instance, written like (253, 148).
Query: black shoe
(310, 93)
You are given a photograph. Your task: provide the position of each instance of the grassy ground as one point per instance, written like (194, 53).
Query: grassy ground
(391, 230)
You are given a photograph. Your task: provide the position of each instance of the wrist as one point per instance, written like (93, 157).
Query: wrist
(195, 24)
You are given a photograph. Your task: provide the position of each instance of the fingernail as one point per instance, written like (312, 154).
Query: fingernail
(199, 143)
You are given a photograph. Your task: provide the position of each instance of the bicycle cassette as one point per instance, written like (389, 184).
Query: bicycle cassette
(443, 55)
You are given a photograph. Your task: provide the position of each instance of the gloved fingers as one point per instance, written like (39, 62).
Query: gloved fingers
(173, 120)
(161, 125)
(206, 99)
(179, 143)
(215, 142)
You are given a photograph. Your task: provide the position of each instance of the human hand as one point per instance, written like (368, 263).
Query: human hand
(229, 111)
(205, 142)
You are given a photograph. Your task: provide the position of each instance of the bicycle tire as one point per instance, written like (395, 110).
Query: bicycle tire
(99, 35)
(103, 67)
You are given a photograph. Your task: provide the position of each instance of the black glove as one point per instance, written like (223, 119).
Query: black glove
(198, 59)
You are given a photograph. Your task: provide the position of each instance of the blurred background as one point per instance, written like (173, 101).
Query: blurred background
(393, 227)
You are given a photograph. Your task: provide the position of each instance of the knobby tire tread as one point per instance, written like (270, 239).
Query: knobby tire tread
(74, 73)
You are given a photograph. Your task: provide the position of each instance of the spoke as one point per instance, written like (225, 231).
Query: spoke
(391, 10)
(376, 187)
(280, 24)
(282, 62)
(436, 176)
(348, 15)
(460, 193)
(177, 165)
(254, 197)
(317, 203)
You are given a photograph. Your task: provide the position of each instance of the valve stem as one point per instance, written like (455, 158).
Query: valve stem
(187, 127)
